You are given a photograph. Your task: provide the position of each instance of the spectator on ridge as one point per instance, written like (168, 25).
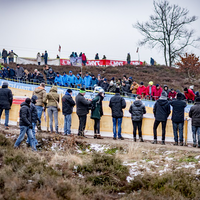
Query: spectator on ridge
(11, 56)
(4, 55)
(45, 57)
(39, 59)
(128, 59)
(96, 57)
(84, 60)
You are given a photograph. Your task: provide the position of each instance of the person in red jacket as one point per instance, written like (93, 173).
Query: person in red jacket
(157, 92)
(84, 60)
(172, 94)
(141, 90)
(149, 90)
(189, 95)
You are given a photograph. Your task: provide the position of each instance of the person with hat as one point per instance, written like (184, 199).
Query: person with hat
(58, 80)
(87, 81)
(161, 112)
(79, 81)
(94, 81)
(67, 108)
(141, 90)
(65, 79)
(157, 92)
(172, 94)
(105, 85)
(117, 103)
(51, 76)
(189, 95)
(194, 113)
(112, 87)
(97, 112)
(178, 117)
(149, 90)
(5, 102)
(71, 79)
(25, 124)
(82, 109)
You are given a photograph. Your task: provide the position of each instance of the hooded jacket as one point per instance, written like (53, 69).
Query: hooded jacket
(137, 109)
(157, 93)
(161, 110)
(59, 80)
(51, 96)
(167, 91)
(67, 104)
(71, 79)
(195, 114)
(6, 98)
(87, 81)
(65, 80)
(79, 82)
(189, 95)
(141, 91)
(25, 115)
(40, 92)
(98, 110)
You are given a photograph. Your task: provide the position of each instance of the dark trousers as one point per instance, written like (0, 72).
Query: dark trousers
(82, 123)
(137, 125)
(96, 126)
(155, 126)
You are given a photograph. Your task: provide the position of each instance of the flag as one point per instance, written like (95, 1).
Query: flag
(137, 50)
(59, 49)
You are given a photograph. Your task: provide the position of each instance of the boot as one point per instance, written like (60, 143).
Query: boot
(134, 139)
(181, 143)
(141, 140)
(154, 142)
(95, 136)
(39, 127)
(163, 142)
(194, 145)
(99, 136)
(57, 130)
(176, 144)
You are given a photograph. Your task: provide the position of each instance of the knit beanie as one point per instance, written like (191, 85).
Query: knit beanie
(82, 90)
(28, 101)
(69, 90)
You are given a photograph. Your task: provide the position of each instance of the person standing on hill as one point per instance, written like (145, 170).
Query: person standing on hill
(117, 103)
(128, 59)
(39, 59)
(137, 110)
(5, 102)
(195, 115)
(161, 112)
(178, 118)
(45, 57)
(67, 108)
(97, 112)
(84, 59)
(4, 55)
(40, 92)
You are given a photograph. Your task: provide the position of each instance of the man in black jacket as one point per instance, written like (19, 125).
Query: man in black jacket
(5, 102)
(25, 124)
(195, 115)
(117, 103)
(82, 109)
(178, 118)
(161, 112)
(67, 108)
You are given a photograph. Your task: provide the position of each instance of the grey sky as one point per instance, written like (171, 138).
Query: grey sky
(90, 26)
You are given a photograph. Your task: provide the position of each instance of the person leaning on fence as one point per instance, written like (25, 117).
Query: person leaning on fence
(195, 115)
(178, 118)
(67, 108)
(52, 99)
(134, 88)
(19, 72)
(97, 112)
(25, 124)
(117, 103)
(82, 109)
(161, 112)
(6, 99)
(189, 95)
(137, 110)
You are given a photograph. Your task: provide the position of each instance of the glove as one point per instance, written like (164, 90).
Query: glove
(30, 126)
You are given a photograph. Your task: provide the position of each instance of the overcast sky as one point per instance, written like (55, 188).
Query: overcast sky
(90, 26)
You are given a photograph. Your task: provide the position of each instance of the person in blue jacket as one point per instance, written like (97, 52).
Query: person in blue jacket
(87, 81)
(65, 79)
(58, 79)
(94, 81)
(10, 73)
(71, 79)
(79, 81)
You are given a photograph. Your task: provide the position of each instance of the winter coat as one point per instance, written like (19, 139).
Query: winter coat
(67, 104)
(51, 96)
(126, 88)
(19, 72)
(137, 109)
(105, 86)
(167, 91)
(58, 80)
(172, 95)
(87, 81)
(82, 105)
(83, 57)
(4, 54)
(40, 92)
(25, 115)
(134, 88)
(10, 73)
(79, 82)
(117, 103)
(195, 114)
(141, 91)
(157, 93)
(51, 76)
(189, 95)
(178, 106)
(6, 98)
(71, 79)
(128, 58)
(97, 112)
(65, 80)
(161, 110)
(39, 59)
(153, 87)
(93, 82)
(34, 115)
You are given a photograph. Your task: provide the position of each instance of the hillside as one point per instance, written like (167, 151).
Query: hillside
(158, 74)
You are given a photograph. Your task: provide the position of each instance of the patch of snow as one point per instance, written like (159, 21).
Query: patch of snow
(198, 172)
(197, 157)
(189, 166)
(151, 162)
(167, 158)
(99, 147)
(129, 179)
(80, 176)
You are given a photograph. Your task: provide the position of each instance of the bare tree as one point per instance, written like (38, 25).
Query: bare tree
(167, 28)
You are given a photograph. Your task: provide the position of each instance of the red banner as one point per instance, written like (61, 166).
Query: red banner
(102, 62)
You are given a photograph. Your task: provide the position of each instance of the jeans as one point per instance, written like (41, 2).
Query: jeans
(28, 131)
(96, 126)
(137, 125)
(155, 126)
(5, 60)
(6, 116)
(82, 124)
(115, 122)
(34, 138)
(39, 111)
(53, 111)
(176, 127)
(67, 124)
(196, 132)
